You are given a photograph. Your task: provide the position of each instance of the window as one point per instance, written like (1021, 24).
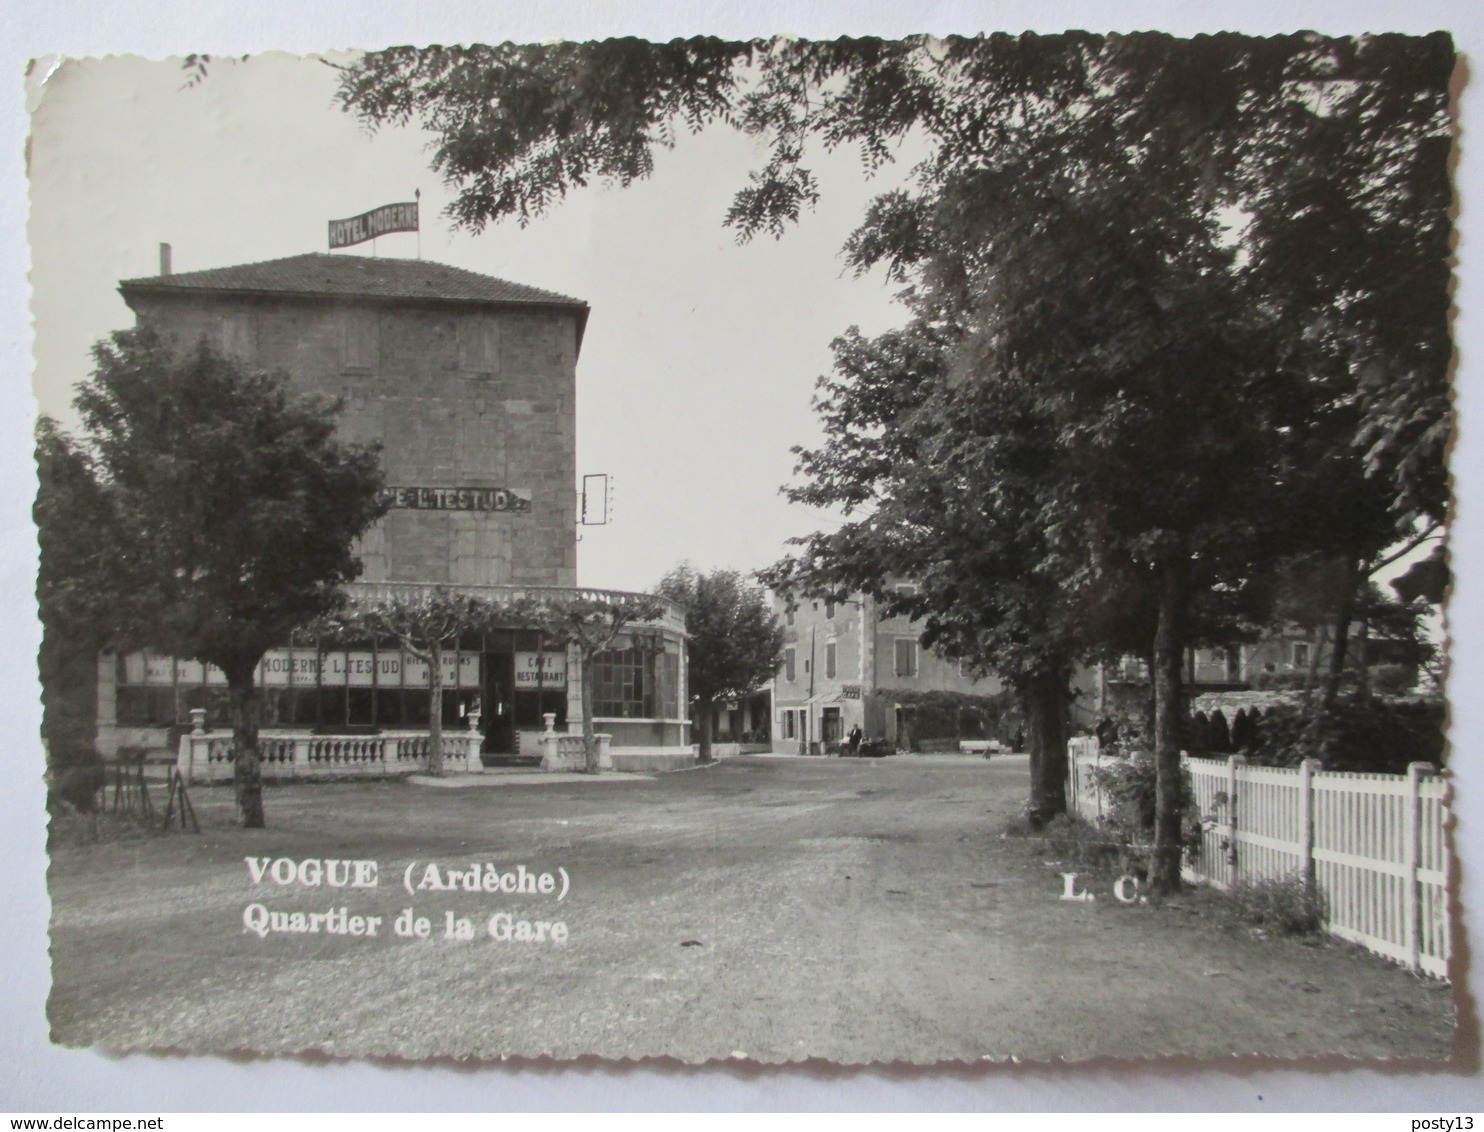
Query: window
(1300, 654)
(829, 610)
(829, 659)
(788, 665)
(360, 340)
(790, 615)
(906, 657)
(479, 344)
(622, 687)
(234, 336)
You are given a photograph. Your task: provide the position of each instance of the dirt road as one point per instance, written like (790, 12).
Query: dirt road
(778, 909)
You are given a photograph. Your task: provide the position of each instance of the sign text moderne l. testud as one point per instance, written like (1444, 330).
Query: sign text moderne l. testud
(500, 499)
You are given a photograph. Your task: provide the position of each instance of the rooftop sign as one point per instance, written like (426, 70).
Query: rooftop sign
(378, 222)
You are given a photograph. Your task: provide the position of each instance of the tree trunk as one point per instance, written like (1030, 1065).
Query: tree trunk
(1152, 699)
(1043, 698)
(1313, 671)
(1343, 617)
(589, 740)
(1169, 704)
(707, 708)
(1362, 661)
(435, 709)
(247, 767)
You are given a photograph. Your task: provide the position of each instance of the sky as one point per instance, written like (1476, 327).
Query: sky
(694, 381)
(700, 356)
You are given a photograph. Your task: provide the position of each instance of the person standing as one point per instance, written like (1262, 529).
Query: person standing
(854, 738)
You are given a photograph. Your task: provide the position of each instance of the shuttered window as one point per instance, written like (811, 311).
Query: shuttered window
(906, 657)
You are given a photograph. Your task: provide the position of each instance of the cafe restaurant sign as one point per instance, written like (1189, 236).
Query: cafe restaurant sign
(378, 222)
(515, 500)
(541, 670)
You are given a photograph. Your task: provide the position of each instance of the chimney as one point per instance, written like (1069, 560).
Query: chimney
(164, 259)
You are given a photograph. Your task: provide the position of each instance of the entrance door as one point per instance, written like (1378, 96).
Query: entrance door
(498, 721)
(830, 726)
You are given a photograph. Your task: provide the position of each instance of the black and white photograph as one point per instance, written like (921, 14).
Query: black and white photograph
(919, 550)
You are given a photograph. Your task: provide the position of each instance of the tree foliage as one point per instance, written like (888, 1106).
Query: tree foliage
(734, 644)
(1212, 272)
(424, 621)
(942, 481)
(234, 512)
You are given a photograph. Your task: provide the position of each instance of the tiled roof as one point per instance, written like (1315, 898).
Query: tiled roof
(354, 276)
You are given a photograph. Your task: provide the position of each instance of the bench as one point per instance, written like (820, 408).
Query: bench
(985, 747)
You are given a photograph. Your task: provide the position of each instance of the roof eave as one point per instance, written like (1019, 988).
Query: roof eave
(131, 287)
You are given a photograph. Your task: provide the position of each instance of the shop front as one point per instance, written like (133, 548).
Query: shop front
(508, 684)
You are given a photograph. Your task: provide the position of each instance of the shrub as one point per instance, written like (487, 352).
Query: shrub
(1371, 736)
(935, 746)
(1279, 681)
(1219, 734)
(1289, 906)
(1130, 785)
(76, 776)
(1080, 845)
(1393, 679)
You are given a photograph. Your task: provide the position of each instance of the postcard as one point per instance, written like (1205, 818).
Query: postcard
(918, 552)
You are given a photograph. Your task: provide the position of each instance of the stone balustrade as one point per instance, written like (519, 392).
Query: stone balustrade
(568, 751)
(207, 756)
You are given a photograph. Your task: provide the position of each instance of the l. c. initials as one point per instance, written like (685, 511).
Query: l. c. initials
(1121, 890)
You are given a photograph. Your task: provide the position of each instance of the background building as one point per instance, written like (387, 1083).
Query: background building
(846, 664)
(469, 384)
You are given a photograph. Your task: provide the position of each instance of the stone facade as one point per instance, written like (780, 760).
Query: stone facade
(460, 397)
(846, 664)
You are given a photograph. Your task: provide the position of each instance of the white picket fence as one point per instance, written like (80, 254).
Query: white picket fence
(1374, 845)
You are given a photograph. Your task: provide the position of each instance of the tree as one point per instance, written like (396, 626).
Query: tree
(1094, 254)
(734, 644)
(423, 621)
(235, 508)
(75, 530)
(1162, 193)
(920, 456)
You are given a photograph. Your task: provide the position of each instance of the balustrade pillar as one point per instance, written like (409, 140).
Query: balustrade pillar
(299, 755)
(605, 760)
(184, 756)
